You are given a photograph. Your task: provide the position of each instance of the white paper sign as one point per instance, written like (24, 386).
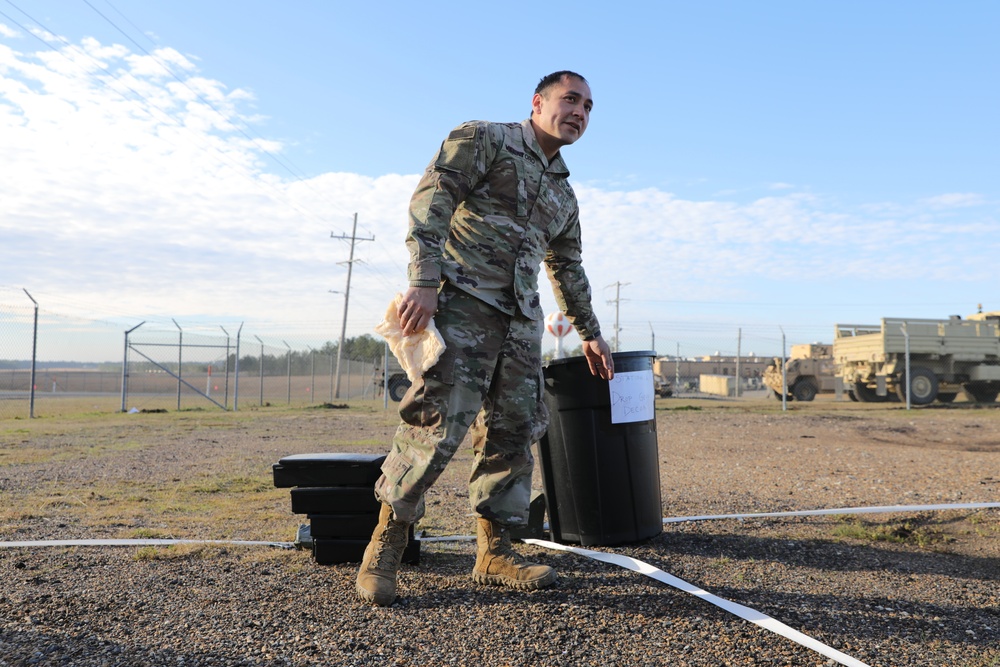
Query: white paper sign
(632, 395)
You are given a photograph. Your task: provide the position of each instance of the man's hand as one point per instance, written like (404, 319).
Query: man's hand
(599, 359)
(417, 308)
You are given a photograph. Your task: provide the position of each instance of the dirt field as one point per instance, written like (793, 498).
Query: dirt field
(904, 588)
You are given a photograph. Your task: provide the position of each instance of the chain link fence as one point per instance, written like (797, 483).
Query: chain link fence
(157, 368)
(153, 368)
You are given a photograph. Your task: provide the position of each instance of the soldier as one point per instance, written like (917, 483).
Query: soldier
(491, 206)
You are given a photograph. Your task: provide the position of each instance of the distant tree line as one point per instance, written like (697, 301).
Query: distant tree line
(25, 364)
(361, 348)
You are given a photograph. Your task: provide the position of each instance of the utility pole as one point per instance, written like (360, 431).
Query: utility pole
(353, 238)
(617, 301)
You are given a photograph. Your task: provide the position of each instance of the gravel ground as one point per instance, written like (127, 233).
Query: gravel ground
(908, 588)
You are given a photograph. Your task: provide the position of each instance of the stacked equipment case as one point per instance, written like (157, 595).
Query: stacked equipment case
(336, 493)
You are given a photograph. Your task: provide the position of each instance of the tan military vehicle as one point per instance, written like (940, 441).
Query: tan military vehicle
(662, 386)
(946, 357)
(809, 371)
(397, 381)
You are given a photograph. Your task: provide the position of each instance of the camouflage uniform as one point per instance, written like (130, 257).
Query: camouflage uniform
(488, 211)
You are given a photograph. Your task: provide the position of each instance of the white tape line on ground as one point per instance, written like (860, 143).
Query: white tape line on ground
(134, 543)
(743, 612)
(841, 510)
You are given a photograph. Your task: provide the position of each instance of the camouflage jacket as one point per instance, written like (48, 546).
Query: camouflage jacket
(489, 209)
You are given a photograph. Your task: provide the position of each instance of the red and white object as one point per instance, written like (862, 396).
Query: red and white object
(557, 325)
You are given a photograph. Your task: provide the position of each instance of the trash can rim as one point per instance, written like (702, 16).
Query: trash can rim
(614, 355)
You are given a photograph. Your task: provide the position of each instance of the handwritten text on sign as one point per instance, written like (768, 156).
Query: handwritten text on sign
(632, 397)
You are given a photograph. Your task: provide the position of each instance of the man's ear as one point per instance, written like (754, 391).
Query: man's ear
(536, 103)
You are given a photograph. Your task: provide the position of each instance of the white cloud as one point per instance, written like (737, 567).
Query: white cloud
(7, 31)
(129, 195)
(954, 200)
(160, 63)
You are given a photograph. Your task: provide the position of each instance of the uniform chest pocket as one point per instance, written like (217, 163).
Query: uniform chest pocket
(553, 213)
(507, 191)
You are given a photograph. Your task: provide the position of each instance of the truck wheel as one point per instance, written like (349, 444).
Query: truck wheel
(981, 392)
(805, 390)
(923, 386)
(947, 397)
(866, 394)
(397, 387)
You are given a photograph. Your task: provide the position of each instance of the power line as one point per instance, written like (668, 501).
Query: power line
(137, 28)
(198, 95)
(151, 105)
(286, 163)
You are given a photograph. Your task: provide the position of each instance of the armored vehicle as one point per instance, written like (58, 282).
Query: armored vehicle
(396, 381)
(808, 371)
(946, 357)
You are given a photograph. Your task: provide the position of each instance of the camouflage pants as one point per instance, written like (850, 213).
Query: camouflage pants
(487, 381)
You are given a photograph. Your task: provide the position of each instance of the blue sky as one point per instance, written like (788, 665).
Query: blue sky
(747, 164)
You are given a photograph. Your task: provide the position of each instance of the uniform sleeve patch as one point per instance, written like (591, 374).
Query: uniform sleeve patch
(464, 132)
(458, 151)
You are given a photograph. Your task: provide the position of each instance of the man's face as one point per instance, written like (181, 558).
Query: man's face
(561, 114)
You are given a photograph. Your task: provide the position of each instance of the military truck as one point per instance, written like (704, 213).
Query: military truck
(397, 381)
(808, 371)
(662, 372)
(662, 386)
(946, 357)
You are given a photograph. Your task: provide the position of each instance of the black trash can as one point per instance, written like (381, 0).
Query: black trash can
(601, 475)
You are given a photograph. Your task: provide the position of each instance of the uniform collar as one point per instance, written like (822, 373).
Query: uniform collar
(556, 166)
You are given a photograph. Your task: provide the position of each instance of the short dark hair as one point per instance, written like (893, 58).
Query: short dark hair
(555, 78)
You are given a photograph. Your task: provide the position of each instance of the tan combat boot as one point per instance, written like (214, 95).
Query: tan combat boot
(498, 564)
(377, 576)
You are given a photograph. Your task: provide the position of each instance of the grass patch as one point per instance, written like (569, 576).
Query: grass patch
(172, 552)
(231, 485)
(209, 507)
(187, 474)
(918, 531)
(26, 452)
(150, 534)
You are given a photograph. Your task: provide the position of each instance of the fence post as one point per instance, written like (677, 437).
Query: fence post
(34, 357)
(906, 365)
(739, 358)
(677, 370)
(312, 373)
(289, 372)
(180, 359)
(784, 374)
(125, 365)
(261, 369)
(225, 399)
(236, 387)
